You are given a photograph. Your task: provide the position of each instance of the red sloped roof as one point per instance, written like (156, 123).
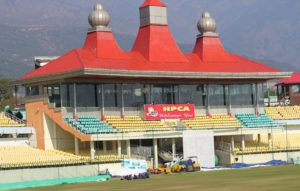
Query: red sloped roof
(294, 79)
(103, 45)
(154, 50)
(211, 50)
(156, 44)
(84, 58)
(156, 3)
(67, 62)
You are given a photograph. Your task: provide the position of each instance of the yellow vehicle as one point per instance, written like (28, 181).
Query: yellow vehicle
(196, 164)
(165, 170)
(177, 168)
(196, 167)
(189, 164)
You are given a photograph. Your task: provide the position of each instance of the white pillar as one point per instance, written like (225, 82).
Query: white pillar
(173, 149)
(128, 148)
(104, 146)
(270, 141)
(155, 153)
(119, 148)
(76, 145)
(232, 143)
(243, 142)
(92, 150)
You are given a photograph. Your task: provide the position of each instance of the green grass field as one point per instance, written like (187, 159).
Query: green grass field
(282, 178)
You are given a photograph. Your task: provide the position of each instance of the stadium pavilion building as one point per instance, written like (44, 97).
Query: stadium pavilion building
(102, 99)
(288, 90)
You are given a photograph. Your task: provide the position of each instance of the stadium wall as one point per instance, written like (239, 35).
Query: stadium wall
(14, 142)
(64, 140)
(88, 111)
(200, 110)
(225, 158)
(243, 109)
(50, 133)
(200, 144)
(139, 111)
(266, 157)
(134, 111)
(218, 110)
(35, 117)
(36, 108)
(24, 175)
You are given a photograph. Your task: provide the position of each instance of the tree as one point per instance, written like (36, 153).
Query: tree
(6, 92)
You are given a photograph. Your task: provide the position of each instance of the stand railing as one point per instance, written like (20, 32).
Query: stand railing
(19, 121)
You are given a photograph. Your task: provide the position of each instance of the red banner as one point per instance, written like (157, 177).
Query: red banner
(169, 111)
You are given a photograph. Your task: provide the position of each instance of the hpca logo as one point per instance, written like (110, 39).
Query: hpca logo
(176, 108)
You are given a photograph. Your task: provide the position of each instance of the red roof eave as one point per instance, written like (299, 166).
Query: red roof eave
(294, 79)
(134, 61)
(156, 3)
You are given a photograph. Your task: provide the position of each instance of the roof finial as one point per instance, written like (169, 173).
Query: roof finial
(156, 3)
(99, 19)
(207, 26)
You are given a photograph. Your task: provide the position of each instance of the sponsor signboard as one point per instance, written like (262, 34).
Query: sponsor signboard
(135, 164)
(169, 111)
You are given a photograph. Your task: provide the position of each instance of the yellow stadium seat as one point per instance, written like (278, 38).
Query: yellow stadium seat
(213, 121)
(8, 122)
(135, 123)
(283, 112)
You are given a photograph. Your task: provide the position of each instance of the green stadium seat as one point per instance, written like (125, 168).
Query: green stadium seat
(89, 125)
(254, 121)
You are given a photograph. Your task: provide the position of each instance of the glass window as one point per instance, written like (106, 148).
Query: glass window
(64, 95)
(147, 93)
(217, 95)
(286, 90)
(67, 93)
(279, 91)
(135, 95)
(176, 94)
(242, 94)
(32, 91)
(193, 94)
(86, 95)
(260, 94)
(53, 92)
(295, 89)
(163, 94)
(99, 94)
(112, 95)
